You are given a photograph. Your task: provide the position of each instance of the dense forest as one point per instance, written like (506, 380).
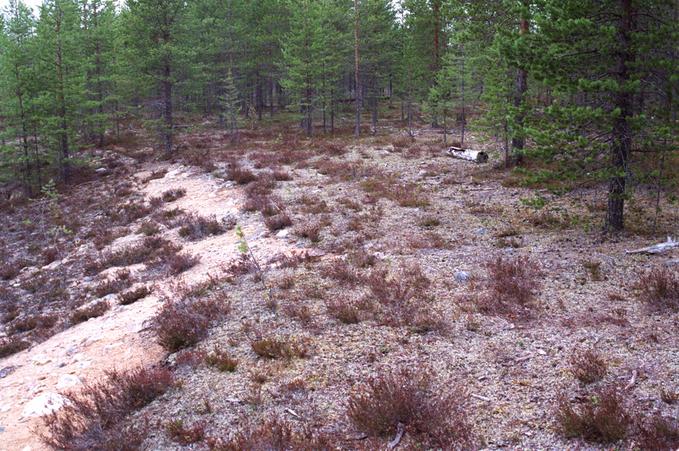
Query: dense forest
(590, 87)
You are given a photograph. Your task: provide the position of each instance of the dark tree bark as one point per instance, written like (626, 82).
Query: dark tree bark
(357, 72)
(167, 109)
(61, 101)
(621, 146)
(518, 141)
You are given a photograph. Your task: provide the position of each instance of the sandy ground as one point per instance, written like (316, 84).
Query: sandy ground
(33, 378)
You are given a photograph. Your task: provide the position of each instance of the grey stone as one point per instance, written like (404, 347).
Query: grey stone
(461, 276)
(6, 371)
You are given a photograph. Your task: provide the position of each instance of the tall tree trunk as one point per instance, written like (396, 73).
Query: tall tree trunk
(464, 105)
(357, 72)
(24, 133)
(61, 101)
(258, 98)
(436, 53)
(373, 108)
(436, 10)
(621, 145)
(98, 72)
(521, 86)
(332, 114)
(167, 109)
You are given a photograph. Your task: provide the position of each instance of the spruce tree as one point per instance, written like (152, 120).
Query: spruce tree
(229, 103)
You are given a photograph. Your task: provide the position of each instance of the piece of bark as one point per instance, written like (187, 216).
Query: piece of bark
(657, 248)
(477, 156)
(632, 381)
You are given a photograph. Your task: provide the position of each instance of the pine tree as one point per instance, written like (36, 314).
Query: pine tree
(301, 56)
(156, 30)
(591, 57)
(453, 90)
(61, 78)
(17, 88)
(97, 17)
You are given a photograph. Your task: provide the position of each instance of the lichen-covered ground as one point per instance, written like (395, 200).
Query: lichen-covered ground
(386, 269)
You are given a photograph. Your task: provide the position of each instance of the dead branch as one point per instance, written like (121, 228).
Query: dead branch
(400, 430)
(657, 248)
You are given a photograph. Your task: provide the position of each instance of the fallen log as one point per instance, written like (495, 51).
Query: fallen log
(477, 156)
(657, 248)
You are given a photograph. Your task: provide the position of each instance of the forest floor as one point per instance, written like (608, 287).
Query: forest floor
(368, 258)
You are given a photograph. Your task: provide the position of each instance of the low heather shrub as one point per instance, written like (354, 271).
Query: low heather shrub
(131, 296)
(196, 227)
(12, 345)
(272, 434)
(659, 288)
(89, 311)
(408, 397)
(173, 194)
(588, 366)
(95, 416)
(512, 284)
(184, 322)
(603, 417)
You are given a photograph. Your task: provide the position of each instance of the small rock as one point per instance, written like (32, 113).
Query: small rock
(461, 276)
(481, 231)
(102, 171)
(283, 233)
(44, 404)
(6, 371)
(67, 381)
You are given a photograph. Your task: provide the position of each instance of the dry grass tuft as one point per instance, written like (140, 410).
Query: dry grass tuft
(348, 310)
(178, 263)
(239, 174)
(588, 366)
(658, 433)
(403, 297)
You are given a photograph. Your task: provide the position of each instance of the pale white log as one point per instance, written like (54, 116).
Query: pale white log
(477, 156)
